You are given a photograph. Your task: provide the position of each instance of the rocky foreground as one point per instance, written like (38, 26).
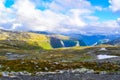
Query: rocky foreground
(66, 76)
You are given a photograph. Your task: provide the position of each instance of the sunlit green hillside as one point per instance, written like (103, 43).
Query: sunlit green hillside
(24, 40)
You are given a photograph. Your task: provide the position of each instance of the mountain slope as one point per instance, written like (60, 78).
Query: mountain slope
(24, 40)
(32, 40)
(62, 40)
(58, 41)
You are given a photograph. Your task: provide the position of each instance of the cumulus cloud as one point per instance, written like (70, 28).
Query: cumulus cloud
(34, 19)
(50, 19)
(3, 12)
(115, 5)
(65, 5)
(106, 27)
(58, 16)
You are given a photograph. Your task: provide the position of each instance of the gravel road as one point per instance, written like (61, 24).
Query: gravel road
(67, 76)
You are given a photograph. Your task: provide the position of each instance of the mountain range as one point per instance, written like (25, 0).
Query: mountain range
(114, 42)
(35, 40)
(47, 40)
(87, 40)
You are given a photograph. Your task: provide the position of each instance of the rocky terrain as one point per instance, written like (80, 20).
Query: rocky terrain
(66, 76)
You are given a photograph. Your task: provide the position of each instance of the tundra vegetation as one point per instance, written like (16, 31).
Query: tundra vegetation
(59, 59)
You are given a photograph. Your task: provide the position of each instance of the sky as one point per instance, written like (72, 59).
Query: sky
(61, 16)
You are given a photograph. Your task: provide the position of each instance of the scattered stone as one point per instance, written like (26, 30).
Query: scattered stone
(103, 72)
(46, 68)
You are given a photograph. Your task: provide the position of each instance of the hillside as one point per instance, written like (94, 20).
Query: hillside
(58, 41)
(32, 40)
(24, 40)
(62, 40)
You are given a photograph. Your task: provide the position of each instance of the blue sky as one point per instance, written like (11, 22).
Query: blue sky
(9, 3)
(103, 3)
(76, 16)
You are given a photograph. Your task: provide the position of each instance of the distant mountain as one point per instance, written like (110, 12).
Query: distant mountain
(61, 40)
(102, 41)
(42, 32)
(114, 42)
(64, 41)
(91, 40)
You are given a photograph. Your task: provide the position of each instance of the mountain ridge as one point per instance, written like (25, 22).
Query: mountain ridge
(26, 40)
(35, 40)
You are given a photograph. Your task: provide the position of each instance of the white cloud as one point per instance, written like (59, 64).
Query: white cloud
(65, 5)
(34, 19)
(6, 16)
(15, 25)
(50, 20)
(60, 16)
(106, 27)
(99, 8)
(115, 5)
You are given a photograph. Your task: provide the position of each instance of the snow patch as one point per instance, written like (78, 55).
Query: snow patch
(105, 56)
